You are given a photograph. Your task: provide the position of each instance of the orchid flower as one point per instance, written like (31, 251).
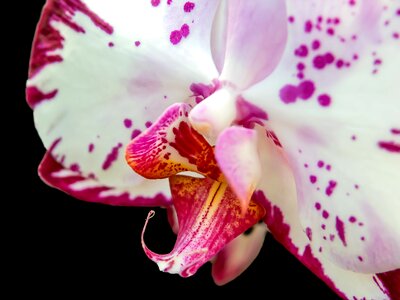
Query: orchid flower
(271, 116)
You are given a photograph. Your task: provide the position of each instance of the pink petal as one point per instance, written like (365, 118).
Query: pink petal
(340, 131)
(277, 193)
(171, 146)
(249, 37)
(209, 217)
(237, 256)
(237, 156)
(91, 86)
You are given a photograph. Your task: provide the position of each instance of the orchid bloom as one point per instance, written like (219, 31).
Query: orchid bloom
(280, 116)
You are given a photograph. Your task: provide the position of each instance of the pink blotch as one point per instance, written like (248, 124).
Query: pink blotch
(360, 258)
(300, 66)
(320, 164)
(317, 205)
(305, 90)
(352, 219)
(291, 19)
(328, 167)
(175, 37)
(308, 26)
(155, 3)
(395, 131)
(390, 146)
(330, 188)
(353, 137)
(301, 51)
(91, 148)
(137, 43)
(330, 31)
(188, 7)
(75, 167)
(323, 226)
(324, 100)
(135, 133)
(288, 93)
(315, 45)
(305, 165)
(128, 123)
(309, 233)
(110, 44)
(148, 124)
(396, 35)
(313, 179)
(339, 63)
(325, 214)
(340, 230)
(185, 30)
(111, 157)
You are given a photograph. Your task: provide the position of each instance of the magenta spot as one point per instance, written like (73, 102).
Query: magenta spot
(377, 62)
(325, 214)
(324, 100)
(353, 137)
(305, 90)
(75, 167)
(323, 226)
(340, 230)
(360, 258)
(361, 224)
(111, 157)
(356, 186)
(309, 233)
(91, 148)
(185, 30)
(336, 21)
(317, 205)
(330, 188)
(329, 58)
(169, 2)
(352, 219)
(301, 51)
(362, 238)
(155, 3)
(352, 2)
(315, 45)
(148, 124)
(355, 56)
(320, 164)
(390, 146)
(313, 179)
(328, 167)
(305, 165)
(188, 7)
(339, 64)
(135, 133)
(319, 62)
(332, 237)
(35, 96)
(137, 43)
(300, 66)
(395, 131)
(330, 31)
(291, 19)
(128, 123)
(175, 37)
(398, 12)
(320, 19)
(308, 26)
(288, 93)
(300, 75)
(110, 44)
(396, 35)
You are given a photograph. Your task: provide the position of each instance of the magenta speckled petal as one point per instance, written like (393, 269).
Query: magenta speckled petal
(338, 123)
(277, 193)
(102, 71)
(209, 217)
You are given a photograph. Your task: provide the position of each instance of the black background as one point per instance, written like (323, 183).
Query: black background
(68, 246)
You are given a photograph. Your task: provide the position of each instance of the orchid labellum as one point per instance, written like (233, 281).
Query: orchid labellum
(281, 116)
